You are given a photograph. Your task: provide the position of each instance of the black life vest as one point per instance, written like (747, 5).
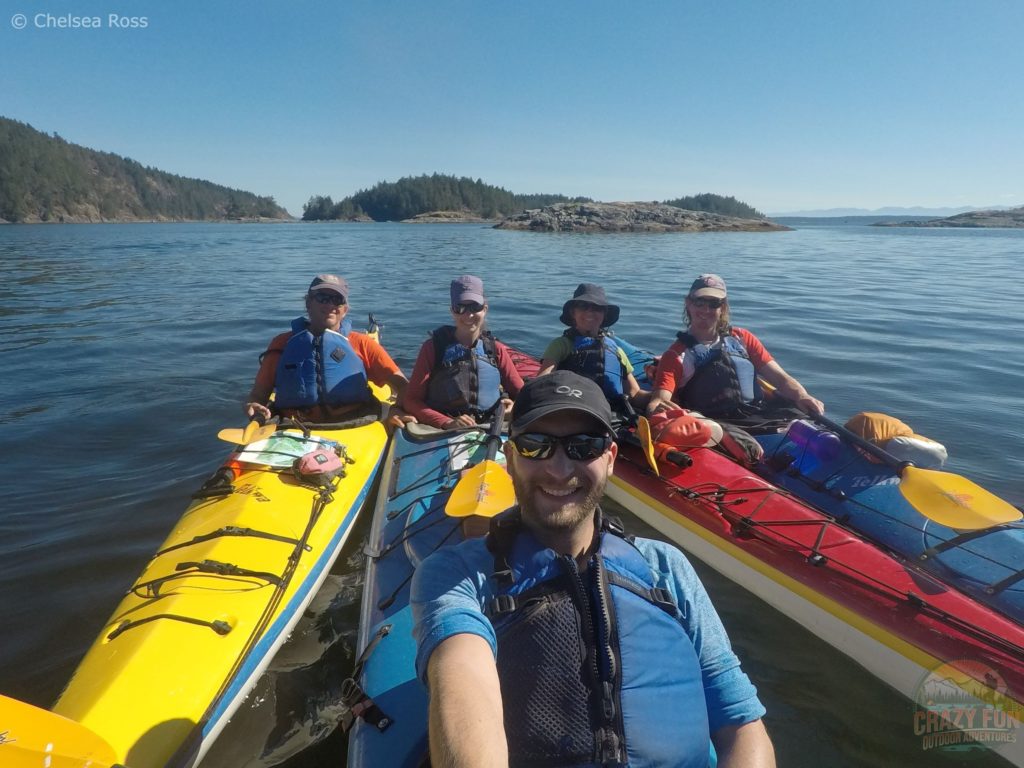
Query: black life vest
(724, 377)
(463, 380)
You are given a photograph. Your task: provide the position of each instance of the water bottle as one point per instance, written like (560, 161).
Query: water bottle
(823, 446)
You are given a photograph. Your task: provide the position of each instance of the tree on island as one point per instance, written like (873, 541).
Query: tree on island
(725, 206)
(413, 195)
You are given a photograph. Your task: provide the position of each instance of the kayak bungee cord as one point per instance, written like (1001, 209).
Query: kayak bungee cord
(323, 496)
(769, 532)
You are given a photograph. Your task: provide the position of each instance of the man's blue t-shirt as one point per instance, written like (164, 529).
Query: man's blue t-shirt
(452, 586)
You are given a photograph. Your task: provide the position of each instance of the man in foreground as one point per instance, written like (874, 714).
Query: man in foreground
(559, 641)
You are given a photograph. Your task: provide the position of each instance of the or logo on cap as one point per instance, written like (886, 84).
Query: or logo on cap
(564, 389)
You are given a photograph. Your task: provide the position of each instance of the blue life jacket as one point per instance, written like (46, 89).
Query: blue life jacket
(596, 357)
(463, 380)
(724, 377)
(319, 369)
(595, 668)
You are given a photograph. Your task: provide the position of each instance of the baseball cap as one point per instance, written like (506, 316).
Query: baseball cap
(560, 391)
(330, 283)
(708, 285)
(466, 289)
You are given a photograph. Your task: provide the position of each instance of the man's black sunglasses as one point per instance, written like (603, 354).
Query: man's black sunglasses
(534, 445)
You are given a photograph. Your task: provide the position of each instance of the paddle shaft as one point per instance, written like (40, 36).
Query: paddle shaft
(494, 433)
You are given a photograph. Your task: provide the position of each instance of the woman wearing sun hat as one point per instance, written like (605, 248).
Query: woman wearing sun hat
(713, 367)
(461, 371)
(587, 348)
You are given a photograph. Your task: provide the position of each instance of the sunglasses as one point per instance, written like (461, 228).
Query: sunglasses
(326, 297)
(536, 446)
(707, 303)
(586, 306)
(472, 308)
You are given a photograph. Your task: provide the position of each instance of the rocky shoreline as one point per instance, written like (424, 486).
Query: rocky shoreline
(1010, 219)
(448, 217)
(630, 217)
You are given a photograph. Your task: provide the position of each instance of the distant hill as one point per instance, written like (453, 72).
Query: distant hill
(879, 213)
(1012, 218)
(800, 222)
(45, 178)
(439, 197)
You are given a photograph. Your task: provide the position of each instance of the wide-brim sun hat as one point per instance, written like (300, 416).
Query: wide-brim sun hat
(591, 294)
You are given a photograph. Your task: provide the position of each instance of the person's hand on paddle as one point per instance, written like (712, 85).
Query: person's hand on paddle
(660, 402)
(459, 422)
(257, 412)
(810, 405)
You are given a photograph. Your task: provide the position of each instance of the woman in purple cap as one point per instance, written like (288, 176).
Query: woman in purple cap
(588, 348)
(713, 367)
(462, 371)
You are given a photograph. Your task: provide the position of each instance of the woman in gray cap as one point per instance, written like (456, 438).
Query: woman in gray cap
(461, 371)
(714, 367)
(587, 348)
(320, 369)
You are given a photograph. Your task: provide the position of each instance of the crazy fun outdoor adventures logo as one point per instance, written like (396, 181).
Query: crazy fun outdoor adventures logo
(964, 706)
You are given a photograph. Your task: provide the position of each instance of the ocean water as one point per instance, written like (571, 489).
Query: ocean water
(127, 347)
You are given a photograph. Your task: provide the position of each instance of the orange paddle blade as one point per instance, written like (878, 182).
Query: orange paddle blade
(485, 490)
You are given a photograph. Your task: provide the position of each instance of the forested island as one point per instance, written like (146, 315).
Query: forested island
(440, 197)
(44, 178)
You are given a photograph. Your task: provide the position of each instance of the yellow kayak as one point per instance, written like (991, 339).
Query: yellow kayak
(202, 622)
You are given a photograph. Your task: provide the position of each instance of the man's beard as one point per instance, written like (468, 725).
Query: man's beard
(568, 518)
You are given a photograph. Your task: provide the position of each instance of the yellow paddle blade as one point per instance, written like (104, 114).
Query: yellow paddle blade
(954, 501)
(252, 432)
(35, 737)
(643, 431)
(485, 490)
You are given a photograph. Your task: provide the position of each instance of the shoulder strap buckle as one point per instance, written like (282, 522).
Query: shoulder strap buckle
(501, 605)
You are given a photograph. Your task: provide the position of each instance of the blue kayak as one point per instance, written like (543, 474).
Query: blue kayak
(824, 469)
(409, 523)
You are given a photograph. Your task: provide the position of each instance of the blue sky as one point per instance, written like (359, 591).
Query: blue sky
(785, 105)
